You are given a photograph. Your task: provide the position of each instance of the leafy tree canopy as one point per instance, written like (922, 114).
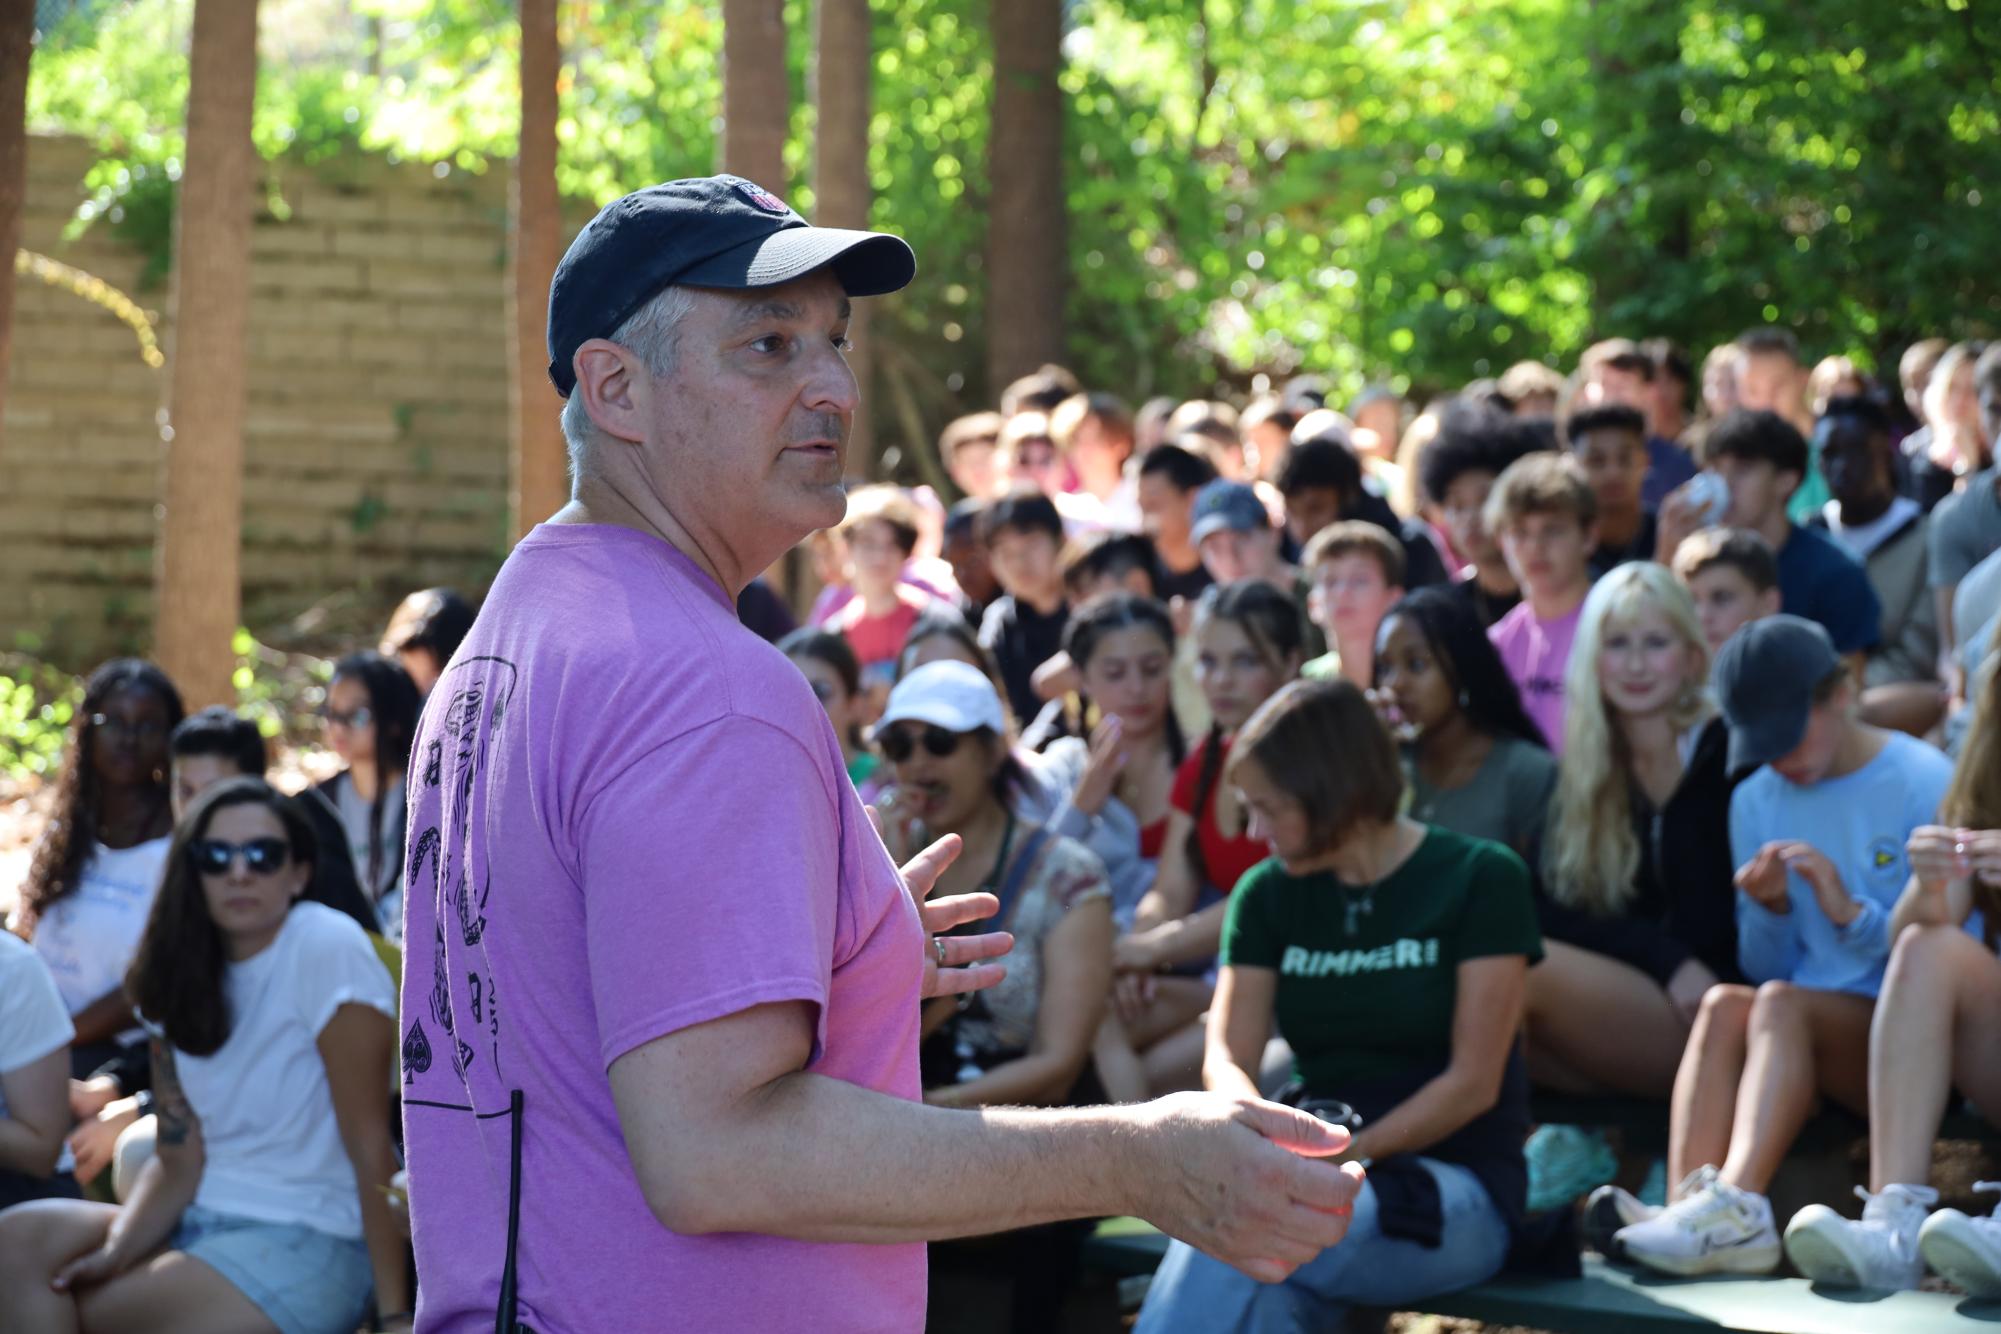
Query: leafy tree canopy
(1420, 192)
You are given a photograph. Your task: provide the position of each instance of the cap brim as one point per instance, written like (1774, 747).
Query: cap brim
(1214, 524)
(935, 712)
(866, 263)
(1770, 739)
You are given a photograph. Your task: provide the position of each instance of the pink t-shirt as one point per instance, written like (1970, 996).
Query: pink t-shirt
(629, 815)
(1536, 654)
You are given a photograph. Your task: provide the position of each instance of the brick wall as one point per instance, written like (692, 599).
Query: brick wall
(376, 448)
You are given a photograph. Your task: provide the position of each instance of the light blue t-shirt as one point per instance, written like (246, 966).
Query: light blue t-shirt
(1860, 822)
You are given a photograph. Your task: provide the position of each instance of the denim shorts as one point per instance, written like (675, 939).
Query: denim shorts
(305, 1280)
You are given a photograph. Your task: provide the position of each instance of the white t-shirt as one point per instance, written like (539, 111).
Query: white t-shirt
(88, 937)
(272, 1146)
(33, 1021)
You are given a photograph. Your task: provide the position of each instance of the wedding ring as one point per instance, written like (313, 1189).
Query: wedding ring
(938, 948)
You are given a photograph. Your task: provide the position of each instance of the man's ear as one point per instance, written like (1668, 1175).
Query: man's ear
(613, 386)
(1769, 602)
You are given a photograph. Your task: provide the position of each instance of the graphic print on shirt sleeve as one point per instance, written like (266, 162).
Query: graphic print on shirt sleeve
(456, 766)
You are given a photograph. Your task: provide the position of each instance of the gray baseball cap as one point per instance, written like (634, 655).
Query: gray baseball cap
(1765, 677)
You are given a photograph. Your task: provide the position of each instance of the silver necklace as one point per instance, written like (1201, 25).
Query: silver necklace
(1360, 902)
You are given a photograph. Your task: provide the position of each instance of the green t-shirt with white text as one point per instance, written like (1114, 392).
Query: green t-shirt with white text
(1367, 981)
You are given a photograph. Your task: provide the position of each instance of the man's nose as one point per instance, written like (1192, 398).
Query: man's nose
(832, 387)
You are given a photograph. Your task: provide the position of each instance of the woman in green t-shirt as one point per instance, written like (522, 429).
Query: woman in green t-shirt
(1393, 956)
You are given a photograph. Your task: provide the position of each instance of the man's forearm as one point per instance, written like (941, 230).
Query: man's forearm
(821, 1159)
(1039, 1079)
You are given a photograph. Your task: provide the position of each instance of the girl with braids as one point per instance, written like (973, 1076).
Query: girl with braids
(371, 716)
(1476, 761)
(93, 877)
(1247, 645)
(273, 1034)
(831, 668)
(1932, 1033)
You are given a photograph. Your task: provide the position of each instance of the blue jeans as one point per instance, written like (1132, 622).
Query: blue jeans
(1193, 1292)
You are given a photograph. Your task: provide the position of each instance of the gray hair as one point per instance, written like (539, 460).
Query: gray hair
(652, 334)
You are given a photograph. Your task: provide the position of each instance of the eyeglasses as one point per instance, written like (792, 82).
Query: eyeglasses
(823, 691)
(899, 745)
(356, 718)
(150, 730)
(261, 856)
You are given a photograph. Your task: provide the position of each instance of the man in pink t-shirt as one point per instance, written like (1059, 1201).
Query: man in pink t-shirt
(662, 980)
(1544, 517)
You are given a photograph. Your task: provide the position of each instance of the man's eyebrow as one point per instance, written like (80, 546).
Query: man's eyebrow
(778, 309)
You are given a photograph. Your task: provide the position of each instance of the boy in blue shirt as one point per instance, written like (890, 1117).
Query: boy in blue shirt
(1818, 833)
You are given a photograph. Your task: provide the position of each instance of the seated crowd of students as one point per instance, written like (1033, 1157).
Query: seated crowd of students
(197, 1013)
(1554, 736)
(1680, 691)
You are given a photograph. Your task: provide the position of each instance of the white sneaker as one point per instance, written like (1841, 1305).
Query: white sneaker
(1718, 1229)
(1609, 1209)
(1879, 1253)
(1965, 1251)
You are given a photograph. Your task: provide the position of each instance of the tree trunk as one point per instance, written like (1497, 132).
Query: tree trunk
(538, 478)
(757, 93)
(17, 36)
(200, 592)
(841, 190)
(1026, 259)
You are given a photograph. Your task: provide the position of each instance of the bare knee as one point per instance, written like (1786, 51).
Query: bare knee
(1726, 1006)
(1778, 1005)
(1934, 949)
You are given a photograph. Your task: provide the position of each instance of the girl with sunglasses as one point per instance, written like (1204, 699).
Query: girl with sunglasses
(273, 1032)
(1025, 1040)
(831, 668)
(1247, 646)
(94, 874)
(371, 716)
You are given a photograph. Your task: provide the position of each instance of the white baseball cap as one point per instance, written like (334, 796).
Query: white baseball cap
(956, 696)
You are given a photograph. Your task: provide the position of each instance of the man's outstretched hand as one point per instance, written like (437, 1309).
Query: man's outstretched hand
(964, 968)
(1237, 1178)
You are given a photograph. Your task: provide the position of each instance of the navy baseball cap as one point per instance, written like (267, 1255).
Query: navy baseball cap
(1765, 678)
(1224, 506)
(711, 231)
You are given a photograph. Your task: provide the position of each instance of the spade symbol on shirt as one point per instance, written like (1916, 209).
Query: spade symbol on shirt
(416, 1051)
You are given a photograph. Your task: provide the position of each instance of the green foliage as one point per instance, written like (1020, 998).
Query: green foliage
(1422, 192)
(37, 704)
(281, 691)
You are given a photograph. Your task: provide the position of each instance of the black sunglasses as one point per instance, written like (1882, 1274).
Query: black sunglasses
(261, 856)
(898, 744)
